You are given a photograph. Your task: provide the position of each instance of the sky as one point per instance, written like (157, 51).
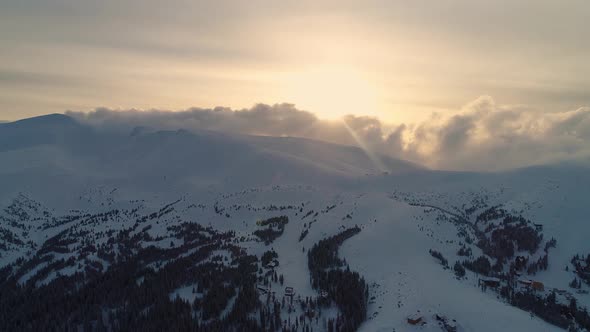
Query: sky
(399, 64)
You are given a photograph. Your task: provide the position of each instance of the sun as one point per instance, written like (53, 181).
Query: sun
(332, 92)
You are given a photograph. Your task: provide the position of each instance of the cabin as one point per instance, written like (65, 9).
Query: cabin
(538, 286)
(289, 291)
(538, 227)
(489, 282)
(534, 285)
(415, 319)
(525, 282)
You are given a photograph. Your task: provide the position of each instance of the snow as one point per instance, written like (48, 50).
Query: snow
(394, 254)
(186, 294)
(66, 166)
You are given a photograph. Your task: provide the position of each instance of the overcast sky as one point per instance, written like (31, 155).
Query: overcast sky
(398, 60)
(453, 84)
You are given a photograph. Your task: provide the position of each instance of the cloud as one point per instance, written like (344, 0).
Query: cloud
(481, 136)
(485, 136)
(275, 120)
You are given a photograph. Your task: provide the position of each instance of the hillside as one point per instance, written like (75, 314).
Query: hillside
(200, 230)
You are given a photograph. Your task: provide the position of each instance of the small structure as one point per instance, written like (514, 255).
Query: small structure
(446, 324)
(537, 285)
(489, 282)
(272, 264)
(534, 285)
(538, 227)
(415, 319)
(289, 291)
(324, 294)
(525, 282)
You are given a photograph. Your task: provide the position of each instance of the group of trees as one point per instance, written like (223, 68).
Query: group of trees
(550, 310)
(439, 256)
(459, 269)
(8, 237)
(303, 234)
(130, 296)
(215, 300)
(274, 227)
(331, 275)
(324, 254)
(582, 267)
(464, 251)
(511, 234)
(575, 283)
(547, 308)
(541, 264)
(480, 265)
(268, 257)
(274, 221)
(508, 238)
(492, 213)
(501, 240)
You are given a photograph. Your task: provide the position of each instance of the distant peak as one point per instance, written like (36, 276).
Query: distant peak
(54, 117)
(50, 119)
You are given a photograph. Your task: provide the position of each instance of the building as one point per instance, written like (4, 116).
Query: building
(534, 285)
(289, 291)
(538, 286)
(415, 319)
(489, 282)
(525, 282)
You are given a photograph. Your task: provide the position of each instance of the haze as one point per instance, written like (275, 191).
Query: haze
(404, 68)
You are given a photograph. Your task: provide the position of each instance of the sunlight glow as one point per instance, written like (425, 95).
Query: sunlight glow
(332, 91)
(372, 156)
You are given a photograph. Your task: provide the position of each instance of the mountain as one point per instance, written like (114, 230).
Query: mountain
(48, 129)
(346, 159)
(142, 229)
(191, 154)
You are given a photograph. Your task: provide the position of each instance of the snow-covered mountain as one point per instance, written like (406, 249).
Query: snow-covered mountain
(182, 213)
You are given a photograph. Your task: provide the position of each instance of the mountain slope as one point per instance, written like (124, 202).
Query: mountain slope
(162, 215)
(210, 156)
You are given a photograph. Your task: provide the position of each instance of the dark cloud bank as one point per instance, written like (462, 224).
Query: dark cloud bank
(480, 136)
